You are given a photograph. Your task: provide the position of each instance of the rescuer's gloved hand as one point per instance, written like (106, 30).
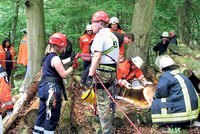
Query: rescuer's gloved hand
(75, 64)
(89, 81)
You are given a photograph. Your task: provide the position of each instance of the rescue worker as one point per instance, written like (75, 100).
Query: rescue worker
(172, 37)
(7, 54)
(161, 47)
(84, 43)
(115, 27)
(176, 101)
(105, 51)
(5, 95)
(127, 39)
(129, 74)
(51, 86)
(23, 50)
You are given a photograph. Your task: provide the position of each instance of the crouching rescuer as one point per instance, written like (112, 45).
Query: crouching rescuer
(176, 101)
(51, 86)
(5, 95)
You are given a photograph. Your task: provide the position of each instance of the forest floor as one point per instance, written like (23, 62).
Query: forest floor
(82, 114)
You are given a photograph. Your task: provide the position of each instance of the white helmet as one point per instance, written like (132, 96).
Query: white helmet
(164, 61)
(165, 34)
(88, 27)
(137, 61)
(114, 20)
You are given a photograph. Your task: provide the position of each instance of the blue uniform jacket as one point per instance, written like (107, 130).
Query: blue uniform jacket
(175, 100)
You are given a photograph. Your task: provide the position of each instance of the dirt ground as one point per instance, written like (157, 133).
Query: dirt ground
(82, 114)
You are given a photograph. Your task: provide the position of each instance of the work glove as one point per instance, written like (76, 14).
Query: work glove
(89, 81)
(75, 64)
(77, 56)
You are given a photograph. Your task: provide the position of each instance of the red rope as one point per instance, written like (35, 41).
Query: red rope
(134, 126)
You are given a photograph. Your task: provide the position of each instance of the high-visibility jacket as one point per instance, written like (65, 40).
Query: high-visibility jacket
(125, 71)
(84, 43)
(175, 100)
(23, 52)
(3, 56)
(121, 49)
(5, 93)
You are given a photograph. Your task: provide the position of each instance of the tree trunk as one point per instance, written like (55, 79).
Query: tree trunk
(13, 34)
(141, 27)
(36, 38)
(184, 22)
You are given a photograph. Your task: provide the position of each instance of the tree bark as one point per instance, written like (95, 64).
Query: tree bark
(13, 33)
(141, 27)
(36, 38)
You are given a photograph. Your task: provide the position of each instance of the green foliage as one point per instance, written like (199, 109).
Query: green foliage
(71, 17)
(174, 130)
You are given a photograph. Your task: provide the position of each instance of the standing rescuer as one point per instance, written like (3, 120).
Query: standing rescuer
(103, 66)
(23, 50)
(7, 54)
(115, 27)
(51, 86)
(85, 45)
(105, 51)
(5, 95)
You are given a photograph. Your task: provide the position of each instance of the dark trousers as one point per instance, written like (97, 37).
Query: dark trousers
(42, 124)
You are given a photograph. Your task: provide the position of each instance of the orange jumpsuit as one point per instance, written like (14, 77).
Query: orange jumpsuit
(125, 71)
(23, 52)
(5, 93)
(3, 56)
(84, 43)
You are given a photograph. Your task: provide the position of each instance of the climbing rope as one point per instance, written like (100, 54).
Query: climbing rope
(134, 126)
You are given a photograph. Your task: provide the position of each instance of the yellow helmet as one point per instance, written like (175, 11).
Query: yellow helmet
(89, 96)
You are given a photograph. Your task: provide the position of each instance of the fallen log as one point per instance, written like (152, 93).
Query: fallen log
(186, 57)
(21, 102)
(183, 50)
(64, 122)
(31, 114)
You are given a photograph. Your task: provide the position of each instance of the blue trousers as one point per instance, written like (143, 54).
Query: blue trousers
(42, 124)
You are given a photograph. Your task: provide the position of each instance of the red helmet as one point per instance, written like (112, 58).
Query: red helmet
(58, 39)
(100, 15)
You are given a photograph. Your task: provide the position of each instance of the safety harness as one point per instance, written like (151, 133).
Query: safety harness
(109, 67)
(52, 92)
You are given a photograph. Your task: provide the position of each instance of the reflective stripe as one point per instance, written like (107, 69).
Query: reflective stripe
(107, 67)
(110, 49)
(164, 110)
(38, 128)
(185, 93)
(35, 133)
(48, 132)
(175, 116)
(184, 116)
(8, 103)
(2, 74)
